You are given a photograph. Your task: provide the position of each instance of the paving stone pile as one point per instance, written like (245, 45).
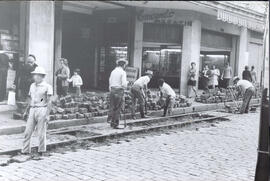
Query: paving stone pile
(92, 104)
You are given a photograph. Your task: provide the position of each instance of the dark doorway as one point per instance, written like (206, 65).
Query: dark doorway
(78, 45)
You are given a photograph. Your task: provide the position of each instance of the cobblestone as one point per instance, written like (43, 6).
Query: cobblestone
(225, 151)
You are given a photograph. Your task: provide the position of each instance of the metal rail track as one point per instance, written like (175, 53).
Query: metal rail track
(125, 132)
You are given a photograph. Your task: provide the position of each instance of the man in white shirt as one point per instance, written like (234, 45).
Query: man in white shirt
(245, 87)
(168, 93)
(117, 83)
(39, 109)
(138, 92)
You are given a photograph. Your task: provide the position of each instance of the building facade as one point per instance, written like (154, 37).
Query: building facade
(158, 35)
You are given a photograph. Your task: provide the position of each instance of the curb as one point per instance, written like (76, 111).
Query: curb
(102, 119)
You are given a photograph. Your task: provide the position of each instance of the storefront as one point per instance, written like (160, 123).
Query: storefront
(9, 47)
(93, 34)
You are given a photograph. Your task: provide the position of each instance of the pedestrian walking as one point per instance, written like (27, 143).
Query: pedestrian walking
(226, 75)
(4, 65)
(246, 75)
(62, 74)
(215, 73)
(117, 84)
(39, 109)
(77, 82)
(25, 77)
(168, 93)
(253, 75)
(138, 92)
(192, 80)
(246, 88)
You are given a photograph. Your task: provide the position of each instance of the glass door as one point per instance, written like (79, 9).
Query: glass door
(164, 61)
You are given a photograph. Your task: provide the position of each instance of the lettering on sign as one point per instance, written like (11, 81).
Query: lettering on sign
(154, 16)
(132, 74)
(167, 17)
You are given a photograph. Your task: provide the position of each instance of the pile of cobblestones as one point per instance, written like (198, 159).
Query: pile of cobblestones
(92, 104)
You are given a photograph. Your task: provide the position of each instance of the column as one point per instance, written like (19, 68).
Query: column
(136, 42)
(40, 33)
(242, 59)
(190, 53)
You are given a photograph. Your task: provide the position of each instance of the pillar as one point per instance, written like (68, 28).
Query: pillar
(190, 53)
(40, 33)
(136, 42)
(242, 59)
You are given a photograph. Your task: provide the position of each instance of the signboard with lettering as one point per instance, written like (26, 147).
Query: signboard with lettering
(161, 17)
(132, 74)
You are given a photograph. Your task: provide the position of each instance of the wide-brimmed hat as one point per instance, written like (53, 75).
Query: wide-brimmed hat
(236, 78)
(122, 60)
(39, 70)
(149, 72)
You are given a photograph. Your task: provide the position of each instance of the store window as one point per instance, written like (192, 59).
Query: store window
(164, 62)
(218, 59)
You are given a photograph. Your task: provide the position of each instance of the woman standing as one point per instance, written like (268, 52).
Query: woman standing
(192, 80)
(226, 75)
(214, 77)
(63, 74)
(205, 78)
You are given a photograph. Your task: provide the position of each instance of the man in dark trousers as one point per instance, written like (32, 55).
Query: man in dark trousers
(246, 88)
(246, 75)
(138, 92)
(25, 76)
(3, 75)
(117, 84)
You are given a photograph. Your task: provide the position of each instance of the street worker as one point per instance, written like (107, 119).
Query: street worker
(168, 93)
(247, 89)
(39, 109)
(117, 84)
(138, 91)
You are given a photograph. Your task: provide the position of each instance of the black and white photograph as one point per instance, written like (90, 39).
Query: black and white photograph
(134, 90)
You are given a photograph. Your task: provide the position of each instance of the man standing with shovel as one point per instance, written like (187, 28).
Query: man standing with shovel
(117, 84)
(138, 92)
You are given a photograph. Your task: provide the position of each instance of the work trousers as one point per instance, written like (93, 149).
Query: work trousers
(246, 100)
(169, 104)
(3, 84)
(37, 118)
(136, 94)
(116, 103)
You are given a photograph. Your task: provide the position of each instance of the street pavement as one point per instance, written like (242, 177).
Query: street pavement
(224, 151)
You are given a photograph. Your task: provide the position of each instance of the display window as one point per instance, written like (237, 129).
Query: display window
(164, 62)
(218, 59)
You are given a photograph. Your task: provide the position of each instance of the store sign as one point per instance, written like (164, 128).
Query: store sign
(166, 17)
(131, 74)
(239, 20)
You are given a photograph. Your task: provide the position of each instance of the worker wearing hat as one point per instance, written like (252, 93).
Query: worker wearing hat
(39, 110)
(117, 84)
(138, 92)
(247, 89)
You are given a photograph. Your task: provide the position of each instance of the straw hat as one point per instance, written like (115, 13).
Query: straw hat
(149, 72)
(39, 70)
(122, 60)
(235, 78)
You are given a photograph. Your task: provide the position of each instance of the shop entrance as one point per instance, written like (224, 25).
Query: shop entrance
(218, 58)
(78, 45)
(164, 61)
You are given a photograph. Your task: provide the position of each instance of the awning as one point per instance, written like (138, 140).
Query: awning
(240, 20)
